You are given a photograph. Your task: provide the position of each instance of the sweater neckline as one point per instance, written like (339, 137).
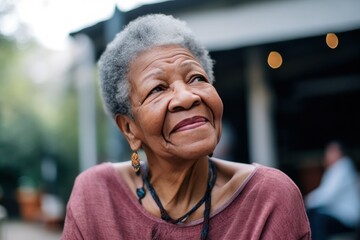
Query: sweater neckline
(135, 203)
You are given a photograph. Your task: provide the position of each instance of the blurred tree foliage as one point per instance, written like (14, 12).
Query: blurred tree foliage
(34, 126)
(19, 126)
(38, 117)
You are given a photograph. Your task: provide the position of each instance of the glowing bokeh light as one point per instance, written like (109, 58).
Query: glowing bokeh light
(274, 59)
(332, 40)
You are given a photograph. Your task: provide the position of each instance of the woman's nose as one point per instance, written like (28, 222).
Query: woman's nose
(183, 97)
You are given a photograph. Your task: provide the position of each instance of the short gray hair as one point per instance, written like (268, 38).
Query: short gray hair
(140, 35)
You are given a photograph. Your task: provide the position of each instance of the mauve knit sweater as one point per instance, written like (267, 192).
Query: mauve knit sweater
(268, 205)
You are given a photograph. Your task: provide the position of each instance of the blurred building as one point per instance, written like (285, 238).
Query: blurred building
(288, 73)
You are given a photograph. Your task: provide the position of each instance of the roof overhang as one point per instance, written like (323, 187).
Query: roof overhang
(266, 22)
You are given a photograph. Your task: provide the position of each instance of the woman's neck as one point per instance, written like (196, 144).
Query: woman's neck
(179, 186)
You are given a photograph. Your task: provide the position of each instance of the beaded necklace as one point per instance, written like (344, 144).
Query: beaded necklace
(206, 198)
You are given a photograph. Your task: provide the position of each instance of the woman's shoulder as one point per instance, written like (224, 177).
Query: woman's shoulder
(236, 172)
(100, 179)
(94, 172)
(274, 178)
(275, 184)
(236, 176)
(103, 173)
(231, 177)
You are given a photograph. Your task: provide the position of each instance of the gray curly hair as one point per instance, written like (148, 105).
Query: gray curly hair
(140, 35)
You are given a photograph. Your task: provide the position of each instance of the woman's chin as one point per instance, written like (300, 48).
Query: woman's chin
(195, 150)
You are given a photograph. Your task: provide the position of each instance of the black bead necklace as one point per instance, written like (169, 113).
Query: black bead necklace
(206, 198)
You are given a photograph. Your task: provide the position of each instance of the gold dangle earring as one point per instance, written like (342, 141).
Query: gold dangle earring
(135, 162)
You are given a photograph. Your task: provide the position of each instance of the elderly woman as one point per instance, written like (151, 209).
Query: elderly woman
(156, 83)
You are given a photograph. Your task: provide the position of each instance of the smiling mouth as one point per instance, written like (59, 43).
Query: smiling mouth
(189, 123)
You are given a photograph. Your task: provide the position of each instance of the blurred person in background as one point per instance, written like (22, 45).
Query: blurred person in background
(334, 207)
(157, 84)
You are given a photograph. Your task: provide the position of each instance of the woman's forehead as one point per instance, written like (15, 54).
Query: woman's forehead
(163, 56)
(167, 52)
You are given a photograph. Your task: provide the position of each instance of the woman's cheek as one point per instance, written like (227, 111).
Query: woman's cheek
(152, 116)
(213, 100)
(216, 106)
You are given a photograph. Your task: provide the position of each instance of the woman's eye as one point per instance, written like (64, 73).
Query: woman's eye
(199, 79)
(156, 90)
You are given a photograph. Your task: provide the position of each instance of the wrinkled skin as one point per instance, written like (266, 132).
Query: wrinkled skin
(176, 111)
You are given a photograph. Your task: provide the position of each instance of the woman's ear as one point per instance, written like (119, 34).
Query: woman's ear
(128, 128)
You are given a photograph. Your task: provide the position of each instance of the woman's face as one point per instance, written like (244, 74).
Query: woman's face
(176, 111)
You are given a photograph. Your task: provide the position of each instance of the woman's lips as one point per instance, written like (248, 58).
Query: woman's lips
(189, 123)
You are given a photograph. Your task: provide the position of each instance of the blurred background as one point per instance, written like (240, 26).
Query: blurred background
(288, 72)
